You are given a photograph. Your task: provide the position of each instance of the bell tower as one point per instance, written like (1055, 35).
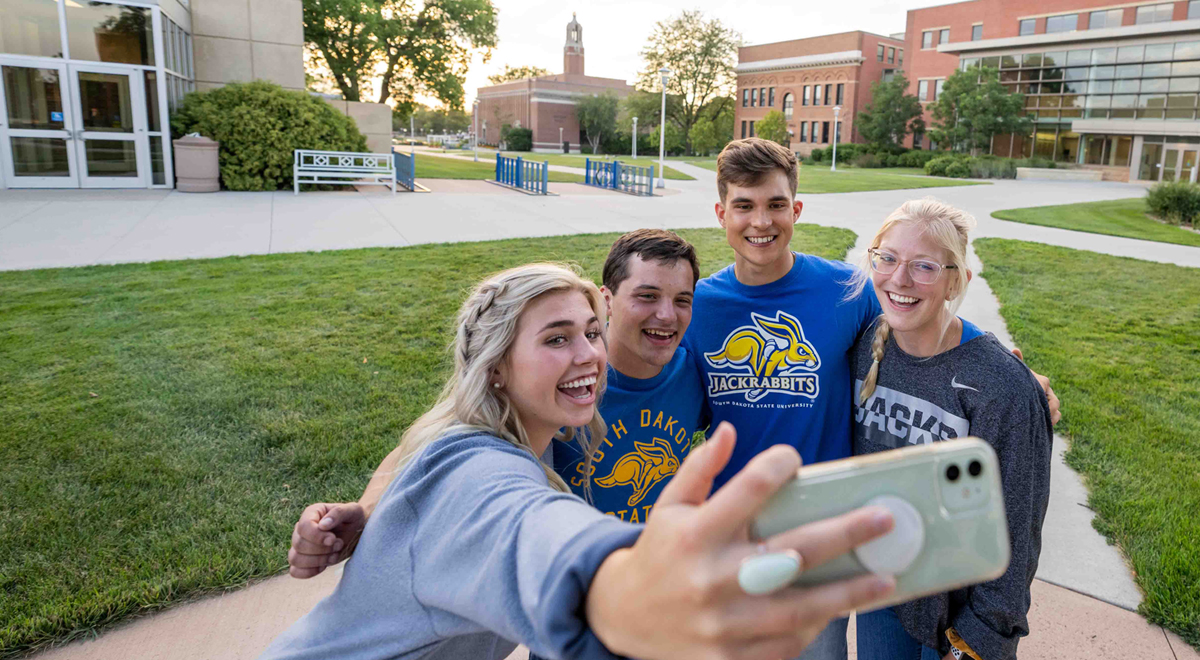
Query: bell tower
(573, 50)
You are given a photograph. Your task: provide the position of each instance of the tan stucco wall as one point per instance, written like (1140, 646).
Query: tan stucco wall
(374, 121)
(244, 40)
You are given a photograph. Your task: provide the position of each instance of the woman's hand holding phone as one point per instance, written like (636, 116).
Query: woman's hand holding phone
(675, 593)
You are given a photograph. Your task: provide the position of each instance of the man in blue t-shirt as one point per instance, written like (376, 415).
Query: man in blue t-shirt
(654, 401)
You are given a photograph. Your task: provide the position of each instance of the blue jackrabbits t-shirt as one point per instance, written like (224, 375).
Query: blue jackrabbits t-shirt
(650, 426)
(775, 358)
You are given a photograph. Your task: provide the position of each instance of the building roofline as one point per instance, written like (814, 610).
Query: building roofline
(950, 4)
(1073, 37)
(818, 36)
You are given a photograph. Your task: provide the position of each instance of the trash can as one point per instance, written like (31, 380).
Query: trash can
(196, 165)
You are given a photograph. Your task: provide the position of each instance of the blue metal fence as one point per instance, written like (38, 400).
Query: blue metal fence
(406, 169)
(523, 174)
(614, 175)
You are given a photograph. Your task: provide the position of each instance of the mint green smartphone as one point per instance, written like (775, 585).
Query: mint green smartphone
(948, 505)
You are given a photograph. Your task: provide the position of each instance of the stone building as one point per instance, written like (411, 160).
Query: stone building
(86, 88)
(545, 105)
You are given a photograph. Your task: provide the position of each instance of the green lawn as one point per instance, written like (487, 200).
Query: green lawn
(165, 423)
(437, 167)
(1120, 339)
(1123, 217)
(818, 179)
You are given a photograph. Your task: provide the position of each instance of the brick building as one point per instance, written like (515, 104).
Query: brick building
(806, 78)
(546, 105)
(1110, 86)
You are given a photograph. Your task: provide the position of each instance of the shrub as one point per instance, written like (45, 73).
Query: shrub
(818, 155)
(958, 169)
(518, 139)
(259, 126)
(846, 153)
(891, 160)
(1036, 161)
(1175, 202)
(992, 167)
(916, 157)
(937, 166)
(868, 160)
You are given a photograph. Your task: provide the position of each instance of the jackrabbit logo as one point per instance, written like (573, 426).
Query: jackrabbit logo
(641, 468)
(771, 355)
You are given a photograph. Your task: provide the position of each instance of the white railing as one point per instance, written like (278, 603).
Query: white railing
(342, 168)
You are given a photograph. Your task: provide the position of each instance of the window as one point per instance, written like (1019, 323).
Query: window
(753, 97)
(879, 52)
(1064, 23)
(828, 95)
(976, 32)
(944, 37)
(804, 131)
(891, 55)
(745, 98)
(787, 107)
(900, 58)
(762, 96)
(804, 99)
(825, 132)
(816, 95)
(926, 40)
(771, 101)
(837, 132)
(102, 32)
(840, 89)
(1105, 19)
(35, 29)
(923, 90)
(937, 88)
(1154, 13)
(743, 129)
(812, 134)
(751, 129)
(1194, 9)
(1027, 26)
(918, 139)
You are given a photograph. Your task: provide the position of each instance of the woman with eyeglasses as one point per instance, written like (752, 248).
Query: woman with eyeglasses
(923, 374)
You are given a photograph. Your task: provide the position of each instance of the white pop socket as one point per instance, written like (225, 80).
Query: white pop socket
(894, 552)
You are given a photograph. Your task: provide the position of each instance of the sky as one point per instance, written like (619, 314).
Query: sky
(532, 32)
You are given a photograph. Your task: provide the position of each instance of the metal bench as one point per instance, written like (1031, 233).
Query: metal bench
(342, 168)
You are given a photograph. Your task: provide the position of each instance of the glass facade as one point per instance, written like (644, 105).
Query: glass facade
(102, 32)
(30, 27)
(1151, 81)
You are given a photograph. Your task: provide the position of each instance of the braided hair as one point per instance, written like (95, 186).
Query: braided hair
(485, 330)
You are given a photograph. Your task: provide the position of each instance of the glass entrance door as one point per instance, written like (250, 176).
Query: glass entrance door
(110, 139)
(1187, 165)
(1170, 165)
(36, 141)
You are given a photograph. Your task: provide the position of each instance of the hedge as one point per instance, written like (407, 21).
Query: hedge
(1175, 202)
(259, 126)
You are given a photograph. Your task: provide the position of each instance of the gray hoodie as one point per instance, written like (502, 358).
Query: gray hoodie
(468, 553)
(978, 388)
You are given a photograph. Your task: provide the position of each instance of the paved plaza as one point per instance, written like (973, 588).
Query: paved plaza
(1083, 599)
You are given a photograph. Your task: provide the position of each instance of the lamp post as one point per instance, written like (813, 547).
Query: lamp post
(662, 127)
(412, 136)
(635, 138)
(475, 112)
(560, 136)
(836, 110)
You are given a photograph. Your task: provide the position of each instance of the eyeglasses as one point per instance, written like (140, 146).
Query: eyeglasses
(920, 270)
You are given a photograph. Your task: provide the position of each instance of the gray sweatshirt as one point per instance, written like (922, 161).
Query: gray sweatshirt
(468, 553)
(978, 388)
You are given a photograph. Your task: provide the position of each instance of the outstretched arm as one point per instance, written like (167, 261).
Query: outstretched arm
(326, 534)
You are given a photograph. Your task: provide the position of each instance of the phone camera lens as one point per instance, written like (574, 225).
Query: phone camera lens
(952, 473)
(975, 468)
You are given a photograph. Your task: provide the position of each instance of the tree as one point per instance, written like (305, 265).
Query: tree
(973, 107)
(597, 115)
(891, 115)
(414, 49)
(772, 127)
(512, 73)
(674, 139)
(711, 135)
(701, 55)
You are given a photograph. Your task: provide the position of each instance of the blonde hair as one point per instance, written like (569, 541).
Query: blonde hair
(486, 329)
(948, 226)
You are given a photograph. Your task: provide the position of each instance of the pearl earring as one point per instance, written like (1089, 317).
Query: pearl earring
(496, 385)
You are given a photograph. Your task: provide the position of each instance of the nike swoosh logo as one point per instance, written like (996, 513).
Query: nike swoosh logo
(955, 384)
